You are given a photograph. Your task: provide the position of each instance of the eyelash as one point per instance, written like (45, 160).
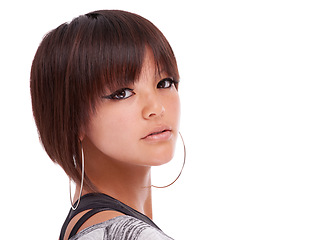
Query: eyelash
(122, 92)
(171, 82)
(115, 95)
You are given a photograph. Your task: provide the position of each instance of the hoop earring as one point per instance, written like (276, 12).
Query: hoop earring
(180, 173)
(82, 180)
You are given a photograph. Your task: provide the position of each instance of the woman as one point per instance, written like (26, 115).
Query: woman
(106, 105)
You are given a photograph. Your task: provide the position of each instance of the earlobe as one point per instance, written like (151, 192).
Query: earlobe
(81, 136)
(82, 133)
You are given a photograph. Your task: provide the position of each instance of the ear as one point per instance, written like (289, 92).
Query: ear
(81, 135)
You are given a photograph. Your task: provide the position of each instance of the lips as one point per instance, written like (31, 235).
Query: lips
(159, 134)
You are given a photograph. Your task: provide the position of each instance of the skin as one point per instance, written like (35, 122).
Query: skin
(118, 150)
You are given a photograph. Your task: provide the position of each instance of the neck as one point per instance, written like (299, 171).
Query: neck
(127, 183)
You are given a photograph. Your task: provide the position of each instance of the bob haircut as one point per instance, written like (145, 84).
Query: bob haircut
(73, 67)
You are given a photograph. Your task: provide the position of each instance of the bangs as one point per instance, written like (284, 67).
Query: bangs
(116, 44)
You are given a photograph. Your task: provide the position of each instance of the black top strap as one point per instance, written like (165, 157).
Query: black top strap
(83, 219)
(98, 202)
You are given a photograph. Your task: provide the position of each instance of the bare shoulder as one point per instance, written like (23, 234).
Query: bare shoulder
(95, 219)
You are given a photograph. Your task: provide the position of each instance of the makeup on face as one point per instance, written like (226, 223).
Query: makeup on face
(125, 92)
(138, 123)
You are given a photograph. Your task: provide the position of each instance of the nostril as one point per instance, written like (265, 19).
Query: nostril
(158, 113)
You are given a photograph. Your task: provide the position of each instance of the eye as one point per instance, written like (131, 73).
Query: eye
(166, 83)
(120, 94)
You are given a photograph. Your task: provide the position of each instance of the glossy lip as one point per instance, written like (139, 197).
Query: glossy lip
(160, 133)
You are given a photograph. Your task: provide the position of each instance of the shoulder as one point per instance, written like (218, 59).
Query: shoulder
(121, 227)
(95, 219)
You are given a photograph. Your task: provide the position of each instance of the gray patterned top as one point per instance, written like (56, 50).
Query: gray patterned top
(121, 228)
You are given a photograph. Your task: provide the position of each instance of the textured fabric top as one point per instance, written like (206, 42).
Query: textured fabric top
(121, 228)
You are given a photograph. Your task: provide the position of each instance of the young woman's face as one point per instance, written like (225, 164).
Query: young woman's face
(138, 124)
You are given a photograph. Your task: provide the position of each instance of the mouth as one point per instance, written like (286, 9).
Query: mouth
(159, 134)
(151, 134)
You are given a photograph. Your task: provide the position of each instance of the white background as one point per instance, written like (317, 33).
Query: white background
(254, 120)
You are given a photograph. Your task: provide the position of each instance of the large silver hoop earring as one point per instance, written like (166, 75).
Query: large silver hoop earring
(82, 180)
(180, 173)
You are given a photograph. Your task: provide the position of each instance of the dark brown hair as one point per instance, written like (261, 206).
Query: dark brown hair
(73, 66)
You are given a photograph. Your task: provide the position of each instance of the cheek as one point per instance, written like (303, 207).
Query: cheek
(110, 132)
(173, 109)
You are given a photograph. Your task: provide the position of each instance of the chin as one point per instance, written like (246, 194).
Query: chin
(159, 154)
(160, 158)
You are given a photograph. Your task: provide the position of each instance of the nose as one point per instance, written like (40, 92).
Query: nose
(153, 107)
